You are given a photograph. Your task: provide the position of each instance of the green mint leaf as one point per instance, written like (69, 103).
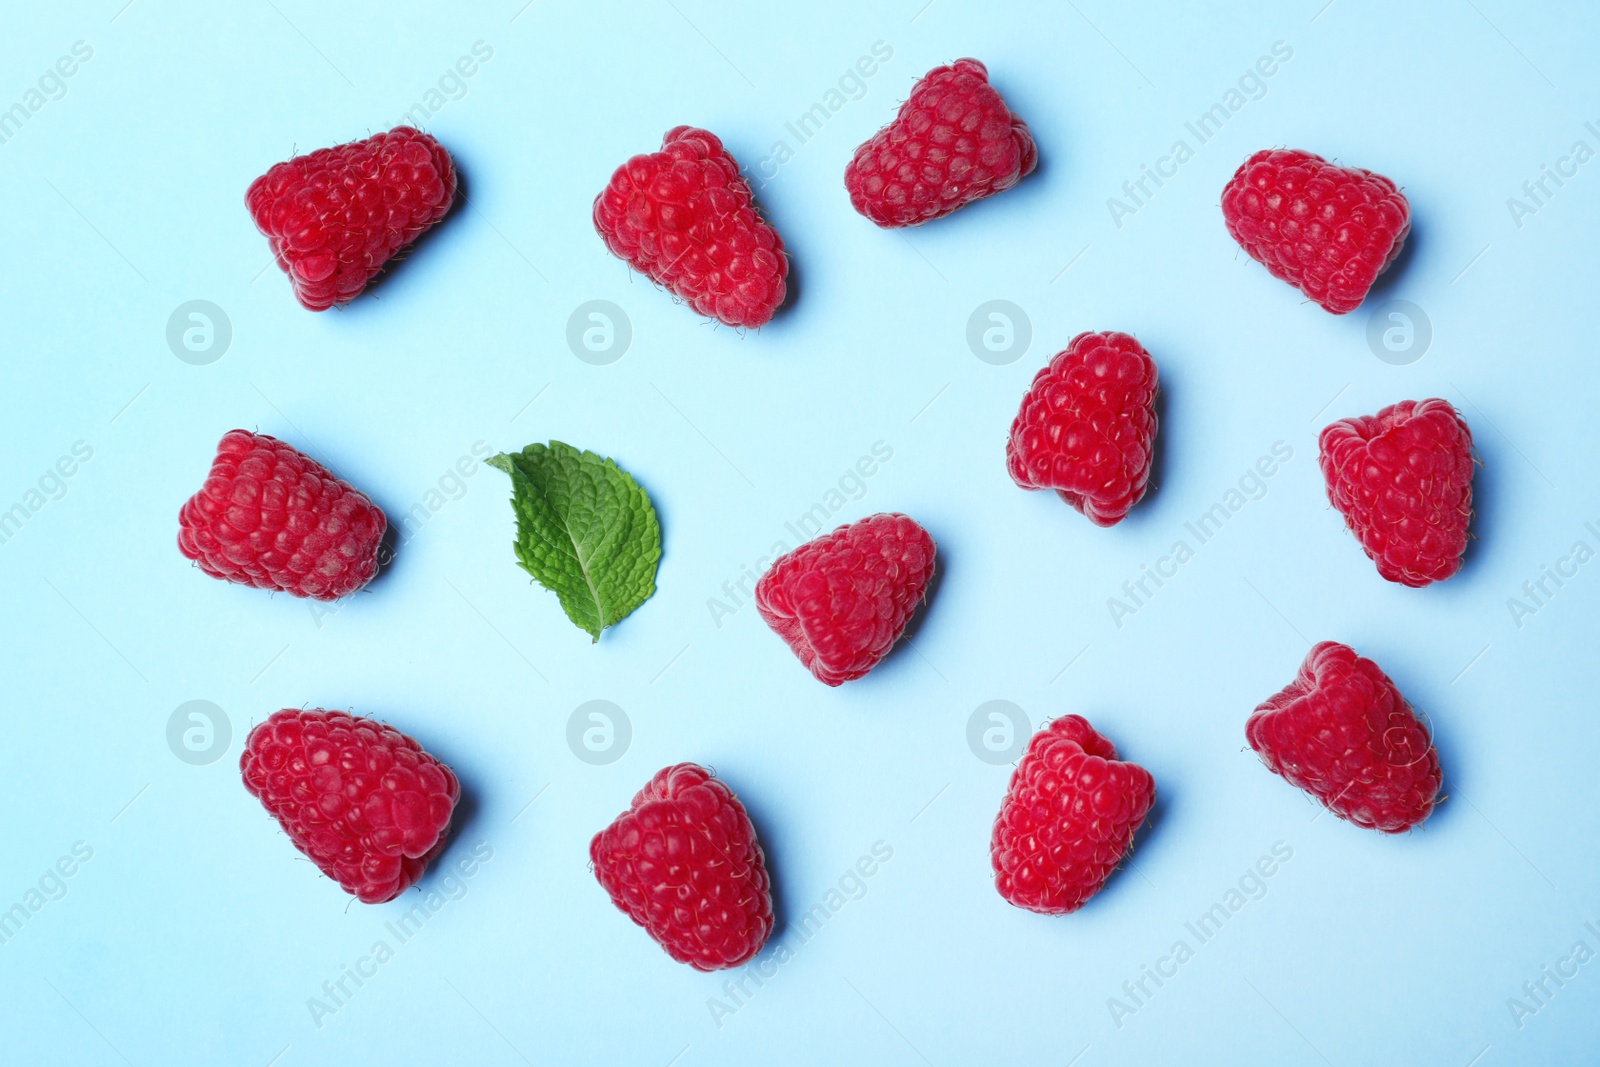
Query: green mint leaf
(585, 531)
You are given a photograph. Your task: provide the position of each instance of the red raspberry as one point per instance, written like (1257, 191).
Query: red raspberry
(953, 142)
(843, 600)
(685, 218)
(1402, 479)
(1087, 426)
(362, 799)
(270, 516)
(1342, 732)
(334, 218)
(1068, 818)
(1327, 230)
(684, 863)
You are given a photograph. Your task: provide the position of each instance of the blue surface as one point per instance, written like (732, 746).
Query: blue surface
(193, 933)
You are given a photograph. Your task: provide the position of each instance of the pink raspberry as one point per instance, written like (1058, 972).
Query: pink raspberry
(953, 142)
(1068, 818)
(843, 600)
(1342, 732)
(335, 218)
(270, 516)
(1327, 230)
(684, 863)
(361, 799)
(1087, 427)
(685, 218)
(1402, 479)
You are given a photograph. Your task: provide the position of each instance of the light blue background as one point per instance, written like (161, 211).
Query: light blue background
(196, 934)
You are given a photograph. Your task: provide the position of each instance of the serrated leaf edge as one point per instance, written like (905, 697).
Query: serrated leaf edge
(507, 461)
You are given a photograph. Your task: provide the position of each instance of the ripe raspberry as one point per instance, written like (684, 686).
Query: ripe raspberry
(1327, 230)
(1342, 732)
(1402, 479)
(1087, 426)
(685, 218)
(362, 799)
(1068, 818)
(270, 516)
(334, 218)
(953, 142)
(684, 863)
(843, 600)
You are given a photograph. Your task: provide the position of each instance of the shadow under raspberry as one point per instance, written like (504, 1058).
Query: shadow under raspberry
(1394, 274)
